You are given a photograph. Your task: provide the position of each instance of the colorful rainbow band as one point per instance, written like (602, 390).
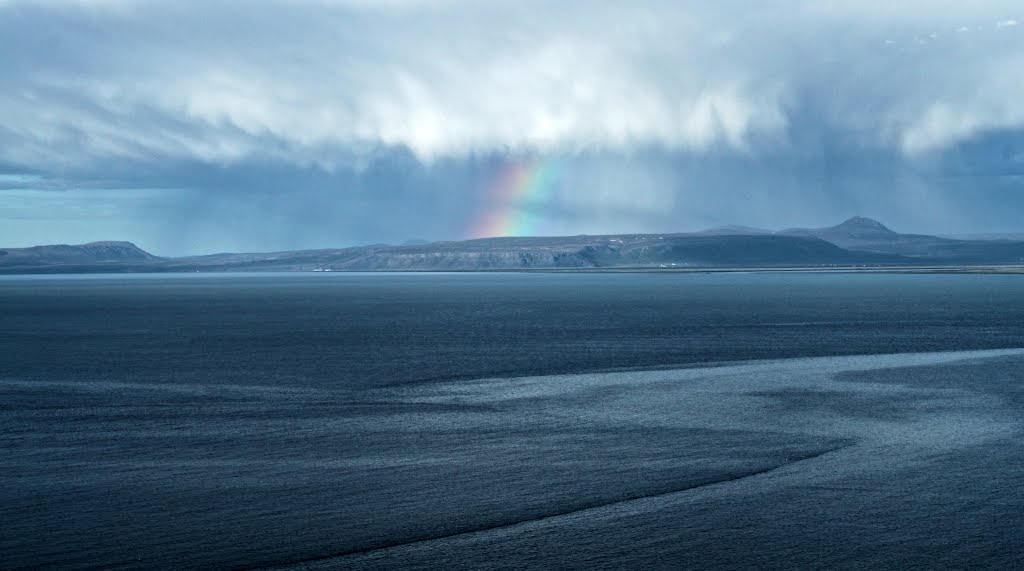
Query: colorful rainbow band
(515, 195)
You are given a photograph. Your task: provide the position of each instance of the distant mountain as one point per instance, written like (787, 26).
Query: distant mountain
(114, 254)
(745, 250)
(560, 252)
(860, 226)
(856, 242)
(869, 235)
(855, 232)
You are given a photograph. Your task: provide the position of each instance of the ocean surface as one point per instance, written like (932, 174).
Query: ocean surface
(498, 421)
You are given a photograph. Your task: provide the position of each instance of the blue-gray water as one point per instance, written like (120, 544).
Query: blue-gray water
(510, 420)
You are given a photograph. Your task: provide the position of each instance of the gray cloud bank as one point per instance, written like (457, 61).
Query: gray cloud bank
(296, 124)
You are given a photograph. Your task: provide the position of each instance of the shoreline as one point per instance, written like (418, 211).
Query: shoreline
(979, 270)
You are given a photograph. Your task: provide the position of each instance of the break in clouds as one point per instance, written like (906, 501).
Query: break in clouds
(201, 126)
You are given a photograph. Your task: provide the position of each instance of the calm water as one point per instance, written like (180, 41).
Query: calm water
(508, 420)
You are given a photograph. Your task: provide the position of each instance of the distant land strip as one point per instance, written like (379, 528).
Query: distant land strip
(856, 245)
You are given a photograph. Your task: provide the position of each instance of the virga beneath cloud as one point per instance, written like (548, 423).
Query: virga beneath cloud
(182, 95)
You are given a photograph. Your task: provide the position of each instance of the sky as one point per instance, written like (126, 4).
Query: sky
(213, 126)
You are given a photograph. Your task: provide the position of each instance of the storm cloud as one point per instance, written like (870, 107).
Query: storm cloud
(197, 127)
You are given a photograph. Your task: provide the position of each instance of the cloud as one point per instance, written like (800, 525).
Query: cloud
(319, 122)
(985, 101)
(330, 83)
(323, 82)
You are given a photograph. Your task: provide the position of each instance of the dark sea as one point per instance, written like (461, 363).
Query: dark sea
(505, 421)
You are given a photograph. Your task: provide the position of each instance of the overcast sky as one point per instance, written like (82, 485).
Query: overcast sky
(197, 127)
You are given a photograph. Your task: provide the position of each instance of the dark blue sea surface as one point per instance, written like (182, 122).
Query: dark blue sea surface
(512, 420)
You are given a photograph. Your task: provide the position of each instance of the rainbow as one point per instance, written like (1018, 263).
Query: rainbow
(515, 195)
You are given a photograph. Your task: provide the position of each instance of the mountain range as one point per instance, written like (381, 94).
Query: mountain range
(856, 242)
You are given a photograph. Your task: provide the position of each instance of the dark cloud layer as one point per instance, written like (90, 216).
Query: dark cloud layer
(222, 126)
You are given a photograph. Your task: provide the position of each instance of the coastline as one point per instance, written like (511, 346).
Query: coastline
(931, 269)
